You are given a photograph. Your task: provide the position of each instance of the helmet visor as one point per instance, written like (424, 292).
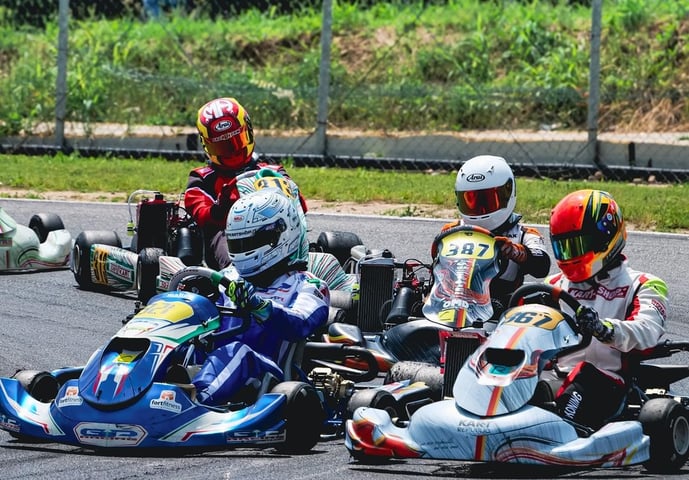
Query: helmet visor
(483, 202)
(569, 247)
(266, 235)
(227, 144)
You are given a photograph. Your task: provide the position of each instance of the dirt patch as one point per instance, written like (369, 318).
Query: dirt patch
(315, 205)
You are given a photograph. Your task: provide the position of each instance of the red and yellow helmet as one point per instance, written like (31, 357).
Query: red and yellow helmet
(587, 232)
(226, 133)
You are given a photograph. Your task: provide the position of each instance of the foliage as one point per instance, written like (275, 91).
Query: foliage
(396, 65)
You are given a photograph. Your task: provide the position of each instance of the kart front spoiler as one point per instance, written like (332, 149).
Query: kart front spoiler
(530, 436)
(163, 417)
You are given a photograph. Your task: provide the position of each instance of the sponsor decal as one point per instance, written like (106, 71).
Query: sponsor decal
(600, 291)
(120, 271)
(5, 242)
(474, 427)
(71, 398)
(659, 307)
(166, 402)
(256, 436)
(476, 177)
(9, 424)
(222, 125)
(109, 434)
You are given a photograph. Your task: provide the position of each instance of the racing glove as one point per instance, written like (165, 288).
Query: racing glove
(243, 295)
(589, 322)
(512, 251)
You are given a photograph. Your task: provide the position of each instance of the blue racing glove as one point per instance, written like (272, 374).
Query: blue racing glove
(589, 322)
(243, 295)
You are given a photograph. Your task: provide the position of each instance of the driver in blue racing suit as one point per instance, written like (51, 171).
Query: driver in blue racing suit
(486, 196)
(622, 308)
(286, 303)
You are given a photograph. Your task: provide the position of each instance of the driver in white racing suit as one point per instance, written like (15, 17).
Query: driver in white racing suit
(486, 194)
(286, 303)
(624, 309)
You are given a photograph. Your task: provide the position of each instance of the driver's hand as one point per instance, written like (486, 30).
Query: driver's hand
(512, 251)
(243, 295)
(589, 322)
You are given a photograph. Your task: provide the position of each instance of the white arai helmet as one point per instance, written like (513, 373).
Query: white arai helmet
(486, 191)
(263, 229)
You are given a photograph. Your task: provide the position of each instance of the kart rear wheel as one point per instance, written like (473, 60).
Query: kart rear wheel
(44, 223)
(304, 414)
(147, 270)
(373, 398)
(81, 254)
(667, 423)
(339, 244)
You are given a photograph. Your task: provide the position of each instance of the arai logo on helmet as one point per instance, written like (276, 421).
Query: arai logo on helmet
(222, 126)
(476, 177)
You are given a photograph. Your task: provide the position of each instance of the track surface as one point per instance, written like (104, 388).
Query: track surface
(47, 322)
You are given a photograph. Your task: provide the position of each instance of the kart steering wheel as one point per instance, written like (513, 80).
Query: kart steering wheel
(216, 278)
(552, 296)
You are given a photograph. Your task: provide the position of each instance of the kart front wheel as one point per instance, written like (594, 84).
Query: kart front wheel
(44, 223)
(304, 414)
(666, 422)
(373, 398)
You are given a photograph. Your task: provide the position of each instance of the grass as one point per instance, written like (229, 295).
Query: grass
(660, 208)
(395, 66)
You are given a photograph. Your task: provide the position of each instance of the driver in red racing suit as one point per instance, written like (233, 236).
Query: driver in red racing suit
(624, 309)
(486, 197)
(286, 303)
(228, 139)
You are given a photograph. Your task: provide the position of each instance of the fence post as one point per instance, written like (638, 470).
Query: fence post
(324, 78)
(594, 80)
(61, 82)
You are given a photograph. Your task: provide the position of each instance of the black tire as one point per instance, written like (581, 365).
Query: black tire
(418, 372)
(81, 254)
(339, 244)
(44, 223)
(147, 269)
(42, 386)
(666, 422)
(373, 398)
(304, 415)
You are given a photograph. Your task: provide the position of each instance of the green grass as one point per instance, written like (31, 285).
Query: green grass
(396, 66)
(646, 207)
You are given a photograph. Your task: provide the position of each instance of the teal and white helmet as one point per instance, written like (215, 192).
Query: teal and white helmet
(263, 229)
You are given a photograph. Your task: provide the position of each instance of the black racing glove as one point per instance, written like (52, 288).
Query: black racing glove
(589, 322)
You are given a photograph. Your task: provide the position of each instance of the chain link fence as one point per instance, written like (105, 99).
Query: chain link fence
(339, 110)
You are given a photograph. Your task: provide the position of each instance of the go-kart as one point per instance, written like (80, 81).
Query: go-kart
(100, 262)
(44, 244)
(423, 313)
(135, 391)
(501, 411)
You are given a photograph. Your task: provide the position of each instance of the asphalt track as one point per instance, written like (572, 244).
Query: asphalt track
(47, 322)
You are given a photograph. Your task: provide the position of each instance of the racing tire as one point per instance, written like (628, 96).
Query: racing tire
(44, 223)
(424, 372)
(666, 422)
(147, 270)
(373, 398)
(81, 254)
(304, 415)
(339, 244)
(42, 386)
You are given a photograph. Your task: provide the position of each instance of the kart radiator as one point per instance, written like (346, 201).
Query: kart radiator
(376, 283)
(457, 350)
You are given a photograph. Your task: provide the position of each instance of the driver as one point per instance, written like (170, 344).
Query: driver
(486, 196)
(228, 139)
(622, 308)
(286, 303)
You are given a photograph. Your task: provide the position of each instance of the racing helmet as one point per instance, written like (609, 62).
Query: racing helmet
(486, 191)
(263, 230)
(587, 232)
(226, 133)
